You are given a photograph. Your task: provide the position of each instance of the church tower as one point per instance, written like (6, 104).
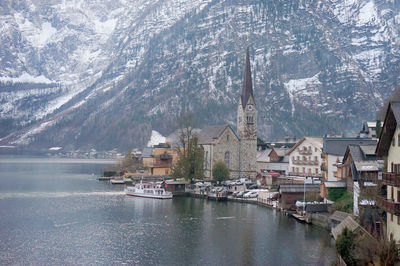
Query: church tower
(247, 124)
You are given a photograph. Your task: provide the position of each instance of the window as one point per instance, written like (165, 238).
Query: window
(309, 171)
(250, 107)
(206, 161)
(391, 217)
(293, 169)
(227, 159)
(316, 150)
(249, 119)
(304, 170)
(393, 144)
(316, 171)
(398, 140)
(316, 158)
(227, 137)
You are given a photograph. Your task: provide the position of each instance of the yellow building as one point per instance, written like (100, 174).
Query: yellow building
(160, 159)
(389, 145)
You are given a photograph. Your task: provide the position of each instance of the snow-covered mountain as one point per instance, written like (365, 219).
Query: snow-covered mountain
(105, 73)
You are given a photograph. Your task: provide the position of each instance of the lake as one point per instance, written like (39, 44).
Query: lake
(55, 212)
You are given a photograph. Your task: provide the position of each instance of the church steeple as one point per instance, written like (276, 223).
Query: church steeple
(247, 87)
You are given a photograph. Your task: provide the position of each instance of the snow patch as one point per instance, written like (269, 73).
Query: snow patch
(106, 27)
(304, 87)
(27, 78)
(155, 139)
(367, 14)
(37, 37)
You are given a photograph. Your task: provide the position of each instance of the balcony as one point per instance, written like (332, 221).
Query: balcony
(388, 205)
(305, 151)
(391, 179)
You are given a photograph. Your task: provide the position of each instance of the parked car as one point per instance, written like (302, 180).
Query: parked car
(238, 182)
(252, 186)
(240, 194)
(251, 194)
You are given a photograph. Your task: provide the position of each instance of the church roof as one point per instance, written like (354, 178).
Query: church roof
(247, 87)
(210, 133)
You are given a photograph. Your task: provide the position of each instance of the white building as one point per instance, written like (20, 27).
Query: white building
(305, 157)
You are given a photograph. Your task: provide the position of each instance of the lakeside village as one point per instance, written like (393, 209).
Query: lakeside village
(348, 185)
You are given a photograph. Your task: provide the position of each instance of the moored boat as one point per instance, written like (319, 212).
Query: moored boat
(148, 190)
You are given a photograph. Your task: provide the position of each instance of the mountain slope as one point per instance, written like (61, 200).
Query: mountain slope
(318, 67)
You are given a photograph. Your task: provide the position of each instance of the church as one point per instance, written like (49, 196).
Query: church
(237, 149)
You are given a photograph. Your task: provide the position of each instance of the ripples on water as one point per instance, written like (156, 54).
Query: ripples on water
(76, 220)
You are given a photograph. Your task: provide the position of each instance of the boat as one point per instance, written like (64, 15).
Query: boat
(148, 190)
(117, 181)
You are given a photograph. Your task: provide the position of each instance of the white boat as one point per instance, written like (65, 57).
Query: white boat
(117, 181)
(148, 190)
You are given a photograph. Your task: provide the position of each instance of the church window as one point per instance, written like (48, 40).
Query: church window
(227, 159)
(227, 137)
(250, 107)
(249, 119)
(206, 160)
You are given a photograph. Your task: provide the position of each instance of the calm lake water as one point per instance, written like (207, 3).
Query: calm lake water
(55, 212)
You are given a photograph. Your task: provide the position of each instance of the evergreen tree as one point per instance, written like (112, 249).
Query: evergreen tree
(378, 128)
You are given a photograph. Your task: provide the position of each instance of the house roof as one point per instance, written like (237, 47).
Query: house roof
(280, 151)
(295, 188)
(263, 156)
(315, 141)
(392, 120)
(247, 87)
(210, 133)
(339, 216)
(361, 162)
(338, 146)
(348, 222)
(334, 184)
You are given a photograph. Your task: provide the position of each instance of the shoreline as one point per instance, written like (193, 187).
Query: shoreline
(317, 219)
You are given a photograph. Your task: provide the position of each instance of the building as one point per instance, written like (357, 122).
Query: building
(389, 148)
(159, 159)
(305, 157)
(334, 149)
(359, 169)
(369, 129)
(220, 143)
(275, 160)
(290, 193)
(239, 151)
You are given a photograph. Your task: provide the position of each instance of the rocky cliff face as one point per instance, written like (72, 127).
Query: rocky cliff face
(102, 74)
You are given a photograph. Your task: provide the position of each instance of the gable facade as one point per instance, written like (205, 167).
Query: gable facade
(223, 148)
(305, 157)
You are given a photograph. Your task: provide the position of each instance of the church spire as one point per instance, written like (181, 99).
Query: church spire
(247, 87)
